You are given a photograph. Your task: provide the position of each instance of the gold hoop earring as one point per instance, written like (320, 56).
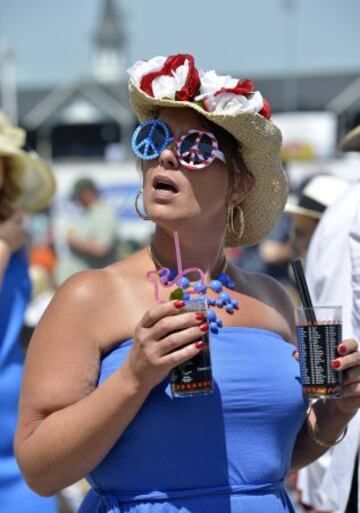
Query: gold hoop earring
(138, 211)
(235, 221)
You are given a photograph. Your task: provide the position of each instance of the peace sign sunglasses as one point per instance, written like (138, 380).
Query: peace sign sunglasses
(195, 149)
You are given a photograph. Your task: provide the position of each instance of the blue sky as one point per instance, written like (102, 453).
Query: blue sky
(52, 38)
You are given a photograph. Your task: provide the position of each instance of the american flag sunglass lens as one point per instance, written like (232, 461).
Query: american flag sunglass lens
(194, 144)
(206, 147)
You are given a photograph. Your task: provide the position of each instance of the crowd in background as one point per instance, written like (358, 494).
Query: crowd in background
(93, 242)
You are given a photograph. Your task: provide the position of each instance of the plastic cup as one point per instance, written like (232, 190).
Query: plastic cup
(194, 376)
(317, 344)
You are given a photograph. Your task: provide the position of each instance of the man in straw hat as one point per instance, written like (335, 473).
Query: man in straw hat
(333, 274)
(26, 185)
(212, 177)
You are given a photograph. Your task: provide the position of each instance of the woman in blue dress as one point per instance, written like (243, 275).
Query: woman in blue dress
(96, 398)
(15, 290)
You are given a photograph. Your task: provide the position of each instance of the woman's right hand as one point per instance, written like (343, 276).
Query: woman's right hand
(164, 338)
(12, 231)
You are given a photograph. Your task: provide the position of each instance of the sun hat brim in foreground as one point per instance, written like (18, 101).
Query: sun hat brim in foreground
(260, 143)
(351, 141)
(34, 178)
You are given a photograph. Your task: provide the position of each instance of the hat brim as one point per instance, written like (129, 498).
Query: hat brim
(351, 141)
(33, 177)
(260, 142)
(290, 208)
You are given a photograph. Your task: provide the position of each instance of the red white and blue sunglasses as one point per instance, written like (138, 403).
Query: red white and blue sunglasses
(195, 149)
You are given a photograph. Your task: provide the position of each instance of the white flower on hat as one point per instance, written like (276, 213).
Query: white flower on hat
(141, 68)
(172, 78)
(210, 82)
(224, 94)
(167, 86)
(231, 103)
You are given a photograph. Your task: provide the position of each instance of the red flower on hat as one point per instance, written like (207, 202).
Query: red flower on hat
(171, 65)
(266, 110)
(245, 87)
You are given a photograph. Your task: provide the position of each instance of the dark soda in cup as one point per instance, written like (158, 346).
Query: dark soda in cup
(318, 338)
(194, 376)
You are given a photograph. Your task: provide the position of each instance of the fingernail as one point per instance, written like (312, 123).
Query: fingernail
(179, 303)
(200, 316)
(204, 326)
(342, 349)
(335, 364)
(200, 344)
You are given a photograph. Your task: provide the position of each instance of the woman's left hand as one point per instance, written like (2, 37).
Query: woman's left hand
(348, 362)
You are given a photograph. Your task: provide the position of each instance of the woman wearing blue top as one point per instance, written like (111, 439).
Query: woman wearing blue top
(16, 168)
(96, 399)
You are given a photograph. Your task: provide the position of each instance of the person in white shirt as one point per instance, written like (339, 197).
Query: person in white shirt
(333, 274)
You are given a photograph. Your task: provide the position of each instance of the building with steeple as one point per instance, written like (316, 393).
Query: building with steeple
(109, 60)
(91, 118)
(84, 127)
(87, 119)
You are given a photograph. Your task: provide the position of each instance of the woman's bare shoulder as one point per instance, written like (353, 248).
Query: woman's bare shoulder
(274, 296)
(88, 288)
(85, 290)
(272, 289)
(97, 302)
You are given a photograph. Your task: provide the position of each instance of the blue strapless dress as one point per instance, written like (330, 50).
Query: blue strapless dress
(226, 452)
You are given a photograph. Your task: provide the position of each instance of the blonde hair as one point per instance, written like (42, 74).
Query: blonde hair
(10, 190)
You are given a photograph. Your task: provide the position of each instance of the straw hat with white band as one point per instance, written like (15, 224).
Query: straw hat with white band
(31, 174)
(235, 106)
(318, 194)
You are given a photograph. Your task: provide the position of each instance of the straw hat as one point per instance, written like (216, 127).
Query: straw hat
(351, 141)
(235, 106)
(30, 173)
(318, 194)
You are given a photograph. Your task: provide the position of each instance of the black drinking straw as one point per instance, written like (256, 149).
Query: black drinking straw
(303, 290)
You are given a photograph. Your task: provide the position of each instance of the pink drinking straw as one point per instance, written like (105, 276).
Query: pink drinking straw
(164, 272)
(178, 257)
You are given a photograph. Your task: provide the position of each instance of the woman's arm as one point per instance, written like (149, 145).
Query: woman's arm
(328, 423)
(66, 424)
(328, 418)
(12, 237)
(5, 253)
